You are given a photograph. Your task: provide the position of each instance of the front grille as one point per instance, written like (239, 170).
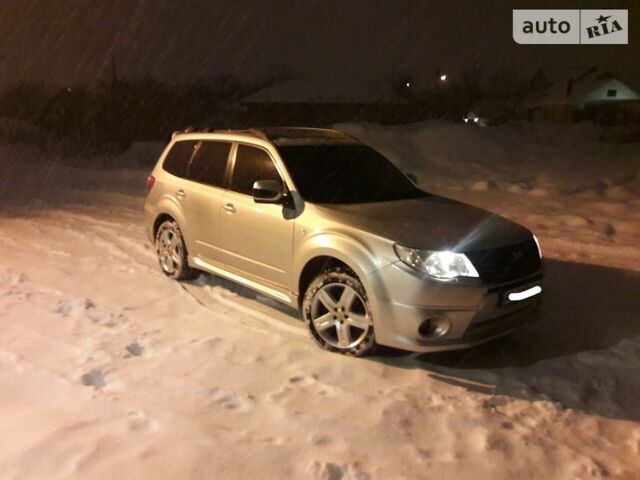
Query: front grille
(505, 264)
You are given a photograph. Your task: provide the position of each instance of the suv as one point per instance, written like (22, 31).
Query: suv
(314, 218)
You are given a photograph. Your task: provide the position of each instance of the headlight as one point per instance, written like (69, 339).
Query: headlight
(443, 264)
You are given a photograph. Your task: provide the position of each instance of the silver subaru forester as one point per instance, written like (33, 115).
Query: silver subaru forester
(316, 219)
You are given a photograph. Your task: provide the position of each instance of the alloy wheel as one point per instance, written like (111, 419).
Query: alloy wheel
(169, 248)
(339, 316)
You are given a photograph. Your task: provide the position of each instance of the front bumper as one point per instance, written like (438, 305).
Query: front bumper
(403, 300)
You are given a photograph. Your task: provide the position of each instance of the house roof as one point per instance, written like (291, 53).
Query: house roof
(325, 91)
(572, 85)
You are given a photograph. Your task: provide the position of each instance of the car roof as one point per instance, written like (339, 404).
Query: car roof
(279, 136)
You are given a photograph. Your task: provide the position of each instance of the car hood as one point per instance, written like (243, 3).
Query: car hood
(430, 223)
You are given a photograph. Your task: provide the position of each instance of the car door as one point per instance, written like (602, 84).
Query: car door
(203, 199)
(256, 237)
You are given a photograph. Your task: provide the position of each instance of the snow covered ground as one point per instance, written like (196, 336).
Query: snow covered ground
(109, 370)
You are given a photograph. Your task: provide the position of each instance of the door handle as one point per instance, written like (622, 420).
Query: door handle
(180, 193)
(229, 208)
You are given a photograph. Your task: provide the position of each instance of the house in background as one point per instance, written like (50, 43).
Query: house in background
(315, 102)
(570, 95)
(297, 91)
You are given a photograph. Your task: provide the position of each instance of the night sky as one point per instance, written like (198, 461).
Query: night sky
(70, 42)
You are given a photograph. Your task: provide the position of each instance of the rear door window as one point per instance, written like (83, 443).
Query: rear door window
(210, 163)
(252, 164)
(177, 159)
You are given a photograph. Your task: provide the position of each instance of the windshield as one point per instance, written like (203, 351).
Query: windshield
(345, 174)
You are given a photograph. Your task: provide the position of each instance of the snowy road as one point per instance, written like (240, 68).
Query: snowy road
(109, 370)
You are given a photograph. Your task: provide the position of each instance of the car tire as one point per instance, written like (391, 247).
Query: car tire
(172, 252)
(337, 313)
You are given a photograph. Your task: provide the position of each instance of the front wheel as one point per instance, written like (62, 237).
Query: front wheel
(337, 313)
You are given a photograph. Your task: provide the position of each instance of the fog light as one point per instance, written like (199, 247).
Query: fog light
(434, 327)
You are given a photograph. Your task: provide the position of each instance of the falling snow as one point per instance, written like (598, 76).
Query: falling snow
(111, 370)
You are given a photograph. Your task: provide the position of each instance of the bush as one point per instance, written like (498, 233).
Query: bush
(25, 102)
(108, 118)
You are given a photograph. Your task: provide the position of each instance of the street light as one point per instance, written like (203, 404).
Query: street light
(443, 77)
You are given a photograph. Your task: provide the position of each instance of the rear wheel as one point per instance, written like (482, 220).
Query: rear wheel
(337, 313)
(172, 252)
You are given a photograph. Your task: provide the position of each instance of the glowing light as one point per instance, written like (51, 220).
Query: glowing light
(538, 245)
(443, 77)
(466, 120)
(476, 119)
(438, 264)
(528, 293)
(408, 84)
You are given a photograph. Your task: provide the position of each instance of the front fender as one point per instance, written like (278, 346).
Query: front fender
(357, 255)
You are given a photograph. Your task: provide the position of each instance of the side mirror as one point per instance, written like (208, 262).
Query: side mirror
(267, 191)
(412, 177)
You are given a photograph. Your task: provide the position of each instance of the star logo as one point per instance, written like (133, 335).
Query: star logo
(603, 19)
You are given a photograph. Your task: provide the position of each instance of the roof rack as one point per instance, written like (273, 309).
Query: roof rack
(191, 129)
(304, 132)
(277, 133)
(258, 133)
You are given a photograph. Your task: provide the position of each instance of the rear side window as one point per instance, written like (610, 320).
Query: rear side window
(252, 164)
(178, 158)
(209, 163)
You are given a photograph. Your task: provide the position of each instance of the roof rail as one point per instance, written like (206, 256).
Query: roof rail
(297, 132)
(258, 133)
(272, 133)
(190, 129)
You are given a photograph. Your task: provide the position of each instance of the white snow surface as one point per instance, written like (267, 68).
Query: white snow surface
(110, 370)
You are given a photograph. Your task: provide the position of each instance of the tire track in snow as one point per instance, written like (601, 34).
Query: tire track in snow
(104, 234)
(202, 293)
(111, 233)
